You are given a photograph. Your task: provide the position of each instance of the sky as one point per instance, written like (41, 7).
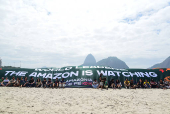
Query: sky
(57, 33)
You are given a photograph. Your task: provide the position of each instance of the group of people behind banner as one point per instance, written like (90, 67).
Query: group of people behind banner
(32, 83)
(130, 84)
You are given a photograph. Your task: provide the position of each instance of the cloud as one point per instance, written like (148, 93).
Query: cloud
(60, 33)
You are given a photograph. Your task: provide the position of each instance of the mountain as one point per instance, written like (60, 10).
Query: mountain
(164, 64)
(89, 61)
(113, 62)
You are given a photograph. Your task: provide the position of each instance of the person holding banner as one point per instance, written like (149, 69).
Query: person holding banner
(105, 83)
(95, 84)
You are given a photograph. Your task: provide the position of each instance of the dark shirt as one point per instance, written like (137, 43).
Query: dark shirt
(49, 81)
(56, 81)
(31, 81)
(131, 82)
(44, 82)
(62, 81)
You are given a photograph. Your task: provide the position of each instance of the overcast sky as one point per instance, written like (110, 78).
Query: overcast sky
(56, 33)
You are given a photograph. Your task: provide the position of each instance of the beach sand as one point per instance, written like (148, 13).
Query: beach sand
(15, 100)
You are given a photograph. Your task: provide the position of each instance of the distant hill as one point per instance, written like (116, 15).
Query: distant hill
(164, 64)
(89, 61)
(113, 62)
(110, 61)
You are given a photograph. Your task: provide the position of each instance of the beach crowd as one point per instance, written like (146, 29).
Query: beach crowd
(32, 83)
(128, 84)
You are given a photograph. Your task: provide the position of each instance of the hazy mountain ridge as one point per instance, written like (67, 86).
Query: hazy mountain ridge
(164, 64)
(110, 61)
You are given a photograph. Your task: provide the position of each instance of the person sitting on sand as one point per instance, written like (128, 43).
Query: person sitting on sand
(167, 84)
(126, 84)
(132, 85)
(146, 84)
(1, 81)
(101, 81)
(49, 83)
(118, 84)
(26, 82)
(140, 84)
(95, 84)
(153, 84)
(62, 83)
(44, 82)
(56, 83)
(12, 81)
(22, 82)
(161, 84)
(112, 83)
(6, 82)
(17, 83)
(32, 82)
(38, 83)
(105, 84)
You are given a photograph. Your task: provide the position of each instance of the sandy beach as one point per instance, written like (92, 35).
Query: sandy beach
(83, 101)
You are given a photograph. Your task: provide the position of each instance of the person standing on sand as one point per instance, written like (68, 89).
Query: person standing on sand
(101, 84)
(105, 83)
(95, 84)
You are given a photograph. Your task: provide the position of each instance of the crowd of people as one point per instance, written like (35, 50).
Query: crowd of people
(20, 82)
(32, 83)
(130, 84)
